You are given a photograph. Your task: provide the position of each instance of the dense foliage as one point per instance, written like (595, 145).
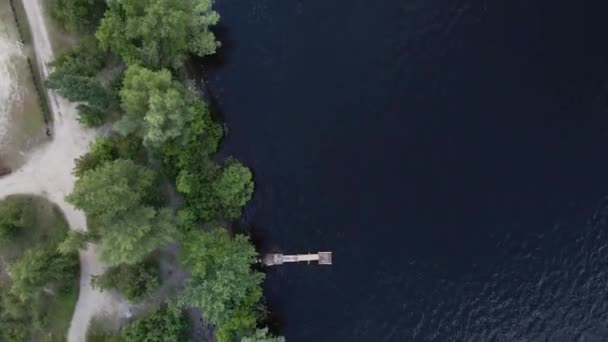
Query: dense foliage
(158, 33)
(78, 15)
(133, 281)
(156, 107)
(115, 196)
(11, 220)
(38, 284)
(74, 241)
(167, 324)
(223, 285)
(36, 269)
(163, 124)
(74, 77)
(105, 149)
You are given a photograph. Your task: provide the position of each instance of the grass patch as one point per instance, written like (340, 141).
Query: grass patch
(33, 224)
(57, 312)
(45, 224)
(26, 36)
(102, 329)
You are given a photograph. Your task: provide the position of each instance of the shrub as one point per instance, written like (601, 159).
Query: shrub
(133, 281)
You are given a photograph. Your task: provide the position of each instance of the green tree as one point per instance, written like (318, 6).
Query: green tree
(12, 222)
(78, 15)
(73, 242)
(262, 335)
(130, 239)
(85, 58)
(73, 77)
(133, 281)
(223, 285)
(167, 324)
(105, 149)
(114, 195)
(13, 318)
(37, 269)
(78, 88)
(113, 189)
(156, 107)
(233, 188)
(159, 33)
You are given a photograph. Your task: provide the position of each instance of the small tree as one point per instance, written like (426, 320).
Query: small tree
(233, 188)
(40, 268)
(133, 281)
(114, 195)
(156, 107)
(262, 335)
(159, 33)
(11, 220)
(78, 15)
(166, 324)
(223, 285)
(74, 242)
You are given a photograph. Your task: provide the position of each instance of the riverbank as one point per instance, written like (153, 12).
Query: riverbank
(166, 133)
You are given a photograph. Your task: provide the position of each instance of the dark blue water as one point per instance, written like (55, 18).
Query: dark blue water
(452, 154)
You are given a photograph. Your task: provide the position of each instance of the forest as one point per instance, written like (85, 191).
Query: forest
(152, 181)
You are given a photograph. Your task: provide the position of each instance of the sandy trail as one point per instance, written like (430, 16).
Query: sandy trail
(48, 173)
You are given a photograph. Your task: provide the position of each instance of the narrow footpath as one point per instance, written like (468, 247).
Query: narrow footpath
(48, 173)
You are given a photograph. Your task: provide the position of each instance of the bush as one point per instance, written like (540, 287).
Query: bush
(101, 330)
(105, 149)
(223, 284)
(12, 220)
(78, 15)
(74, 78)
(133, 281)
(84, 59)
(39, 288)
(166, 324)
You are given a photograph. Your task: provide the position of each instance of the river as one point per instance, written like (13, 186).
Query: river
(453, 154)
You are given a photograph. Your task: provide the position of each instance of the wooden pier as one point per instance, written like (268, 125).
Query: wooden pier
(323, 258)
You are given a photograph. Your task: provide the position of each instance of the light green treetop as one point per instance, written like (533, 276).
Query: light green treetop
(114, 195)
(233, 188)
(159, 33)
(38, 268)
(156, 107)
(222, 278)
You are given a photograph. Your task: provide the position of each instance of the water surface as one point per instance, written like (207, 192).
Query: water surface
(452, 154)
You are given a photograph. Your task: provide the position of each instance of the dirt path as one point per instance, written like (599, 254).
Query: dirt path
(48, 172)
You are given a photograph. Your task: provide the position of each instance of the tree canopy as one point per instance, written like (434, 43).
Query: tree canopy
(133, 281)
(223, 285)
(114, 195)
(153, 38)
(167, 324)
(39, 268)
(78, 15)
(11, 220)
(156, 107)
(158, 33)
(233, 188)
(73, 77)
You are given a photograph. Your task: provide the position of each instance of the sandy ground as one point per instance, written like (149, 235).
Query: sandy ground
(48, 172)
